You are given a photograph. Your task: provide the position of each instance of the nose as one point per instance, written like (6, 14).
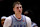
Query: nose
(19, 8)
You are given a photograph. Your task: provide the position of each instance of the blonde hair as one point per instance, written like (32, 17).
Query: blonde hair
(16, 3)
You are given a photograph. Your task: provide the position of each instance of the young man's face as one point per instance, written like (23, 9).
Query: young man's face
(18, 9)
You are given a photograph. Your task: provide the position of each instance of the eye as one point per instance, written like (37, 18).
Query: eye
(17, 7)
(20, 7)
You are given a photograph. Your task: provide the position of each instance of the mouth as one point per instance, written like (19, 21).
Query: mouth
(19, 11)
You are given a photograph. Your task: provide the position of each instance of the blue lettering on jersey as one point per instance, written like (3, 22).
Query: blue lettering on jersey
(14, 25)
(20, 25)
(17, 25)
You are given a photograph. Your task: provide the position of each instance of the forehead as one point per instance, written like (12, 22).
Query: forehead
(18, 5)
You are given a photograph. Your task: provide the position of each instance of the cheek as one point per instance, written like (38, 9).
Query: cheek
(21, 9)
(16, 10)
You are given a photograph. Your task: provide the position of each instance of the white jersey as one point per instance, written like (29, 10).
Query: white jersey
(8, 21)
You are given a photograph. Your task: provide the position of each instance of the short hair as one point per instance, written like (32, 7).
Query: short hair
(16, 3)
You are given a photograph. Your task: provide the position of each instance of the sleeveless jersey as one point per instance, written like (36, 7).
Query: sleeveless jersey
(18, 23)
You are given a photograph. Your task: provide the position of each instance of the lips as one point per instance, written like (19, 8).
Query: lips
(19, 11)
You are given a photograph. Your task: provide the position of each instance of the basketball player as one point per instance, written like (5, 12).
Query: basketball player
(17, 19)
(2, 20)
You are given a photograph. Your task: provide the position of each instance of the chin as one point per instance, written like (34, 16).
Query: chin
(19, 13)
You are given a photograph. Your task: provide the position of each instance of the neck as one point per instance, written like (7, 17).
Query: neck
(18, 16)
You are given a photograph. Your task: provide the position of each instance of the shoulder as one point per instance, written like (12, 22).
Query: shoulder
(8, 18)
(27, 18)
(7, 22)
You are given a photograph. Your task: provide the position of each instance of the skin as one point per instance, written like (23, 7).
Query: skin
(2, 21)
(26, 12)
(18, 10)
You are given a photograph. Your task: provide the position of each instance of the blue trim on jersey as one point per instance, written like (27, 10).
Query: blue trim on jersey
(17, 25)
(18, 20)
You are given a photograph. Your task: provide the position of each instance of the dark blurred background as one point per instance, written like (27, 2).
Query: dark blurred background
(32, 5)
